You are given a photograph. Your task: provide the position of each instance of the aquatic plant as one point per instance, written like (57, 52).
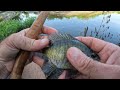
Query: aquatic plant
(85, 31)
(104, 26)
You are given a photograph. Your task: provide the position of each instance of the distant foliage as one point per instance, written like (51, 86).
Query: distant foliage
(8, 27)
(28, 22)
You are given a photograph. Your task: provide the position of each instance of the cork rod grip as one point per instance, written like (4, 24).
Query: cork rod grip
(33, 33)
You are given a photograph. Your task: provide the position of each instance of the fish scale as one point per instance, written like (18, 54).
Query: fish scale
(56, 54)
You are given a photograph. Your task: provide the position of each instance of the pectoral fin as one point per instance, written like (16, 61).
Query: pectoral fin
(48, 68)
(56, 73)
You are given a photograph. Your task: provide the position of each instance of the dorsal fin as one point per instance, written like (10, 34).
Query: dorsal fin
(60, 36)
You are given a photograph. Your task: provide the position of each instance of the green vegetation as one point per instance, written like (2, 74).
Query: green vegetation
(8, 27)
(118, 12)
(28, 22)
(55, 16)
(1, 18)
(79, 15)
(84, 15)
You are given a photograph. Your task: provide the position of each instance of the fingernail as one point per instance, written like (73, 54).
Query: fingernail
(74, 53)
(76, 37)
(79, 38)
(44, 40)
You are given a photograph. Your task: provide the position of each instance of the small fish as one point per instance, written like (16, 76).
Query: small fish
(55, 55)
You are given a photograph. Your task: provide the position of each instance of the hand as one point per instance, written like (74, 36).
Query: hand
(107, 68)
(10, 47)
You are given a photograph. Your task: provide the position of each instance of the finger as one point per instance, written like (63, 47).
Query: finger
(21, 42)
(45, 30)
(23, 32)
(86, 65)
(42, 37)
(63, 75)
(81, 77)
(94, 43)
(114, 59)
(48, 30)
(79, 60)
(39, 61)
(9, 65)
(105, 49)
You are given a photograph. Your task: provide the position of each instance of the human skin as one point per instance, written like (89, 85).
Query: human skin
(107, 68)
(10, 47)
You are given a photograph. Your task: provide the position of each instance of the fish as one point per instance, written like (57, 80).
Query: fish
(55, 55)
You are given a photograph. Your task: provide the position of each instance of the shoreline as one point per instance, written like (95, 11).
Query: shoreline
(81, 14)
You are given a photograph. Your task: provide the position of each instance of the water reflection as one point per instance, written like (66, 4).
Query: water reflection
(79, 26)
(76, 27)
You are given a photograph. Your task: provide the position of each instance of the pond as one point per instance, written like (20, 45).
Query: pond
(76, 26)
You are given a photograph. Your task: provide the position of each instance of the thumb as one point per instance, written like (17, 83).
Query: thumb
(81, 62)
(92, 69)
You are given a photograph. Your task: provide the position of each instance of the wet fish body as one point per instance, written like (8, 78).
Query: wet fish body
(56, 53)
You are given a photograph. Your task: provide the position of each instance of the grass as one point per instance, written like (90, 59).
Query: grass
(8, 27)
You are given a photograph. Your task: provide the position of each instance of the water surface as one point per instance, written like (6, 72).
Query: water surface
(75, 26)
